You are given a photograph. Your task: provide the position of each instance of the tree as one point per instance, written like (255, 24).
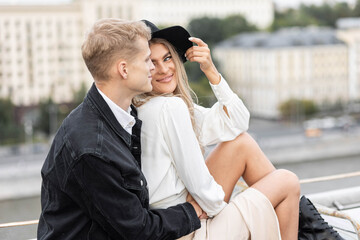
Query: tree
(213, 30)
(10, 131)
(48, 111)
(208, 29)
(318, 15)
(356, 10)
(79, 95)
(342, 9)
(51, 114)
(203, 92)
(295, 109)
(235, 24)
(6, 111)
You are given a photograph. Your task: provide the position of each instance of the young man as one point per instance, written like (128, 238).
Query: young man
(93, 187)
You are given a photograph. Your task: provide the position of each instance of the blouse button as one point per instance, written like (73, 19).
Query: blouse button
(141, 182)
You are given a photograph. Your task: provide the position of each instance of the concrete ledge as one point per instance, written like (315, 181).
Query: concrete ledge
(345, 196)
(313, 149)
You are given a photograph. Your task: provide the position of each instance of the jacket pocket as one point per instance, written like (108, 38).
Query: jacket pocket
(134, 181)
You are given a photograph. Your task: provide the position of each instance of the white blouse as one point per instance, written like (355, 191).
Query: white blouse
(171, 157)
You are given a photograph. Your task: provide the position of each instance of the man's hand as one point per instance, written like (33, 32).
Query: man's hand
(200, 213)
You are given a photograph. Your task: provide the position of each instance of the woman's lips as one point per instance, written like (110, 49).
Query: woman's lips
(166, 79)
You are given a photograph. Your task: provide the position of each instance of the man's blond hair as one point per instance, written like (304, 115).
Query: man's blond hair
(110, 39)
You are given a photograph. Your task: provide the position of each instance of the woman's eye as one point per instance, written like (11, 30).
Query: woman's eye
(167, 58)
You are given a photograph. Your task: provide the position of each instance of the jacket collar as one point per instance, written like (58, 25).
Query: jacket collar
(97, 102)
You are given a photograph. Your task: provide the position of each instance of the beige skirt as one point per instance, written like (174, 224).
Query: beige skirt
(249, 215)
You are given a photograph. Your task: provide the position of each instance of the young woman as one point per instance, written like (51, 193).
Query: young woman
(175, 130)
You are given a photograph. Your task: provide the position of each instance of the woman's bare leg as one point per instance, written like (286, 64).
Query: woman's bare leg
(243, 157)
(282, 188)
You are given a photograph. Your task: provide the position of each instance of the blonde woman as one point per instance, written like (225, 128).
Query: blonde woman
(174, 132)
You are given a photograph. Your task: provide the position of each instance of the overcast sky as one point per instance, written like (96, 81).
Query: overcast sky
(281, 3)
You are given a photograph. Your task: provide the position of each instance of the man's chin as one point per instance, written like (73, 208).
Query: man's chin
(149, 89)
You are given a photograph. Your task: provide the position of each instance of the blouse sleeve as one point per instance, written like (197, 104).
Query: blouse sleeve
(187, 157)
(214, 125)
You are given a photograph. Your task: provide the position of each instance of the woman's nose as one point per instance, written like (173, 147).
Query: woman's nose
(162, 68)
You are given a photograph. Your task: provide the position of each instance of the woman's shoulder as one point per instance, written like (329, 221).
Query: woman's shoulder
(161, 106)
(163, 102)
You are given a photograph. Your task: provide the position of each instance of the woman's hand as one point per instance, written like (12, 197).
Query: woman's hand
(200, 213)
(201, 54)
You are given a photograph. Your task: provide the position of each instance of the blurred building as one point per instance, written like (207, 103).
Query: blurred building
(349, 32)
(40, 53)
(267, 69)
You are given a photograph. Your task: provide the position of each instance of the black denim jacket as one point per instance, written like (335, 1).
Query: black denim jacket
(93, 187)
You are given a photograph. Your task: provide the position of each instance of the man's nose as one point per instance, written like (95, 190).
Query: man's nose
(152, 66)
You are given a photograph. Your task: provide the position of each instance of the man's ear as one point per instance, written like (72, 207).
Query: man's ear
(122, 69)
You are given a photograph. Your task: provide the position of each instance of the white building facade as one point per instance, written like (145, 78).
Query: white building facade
(269, 69)
(349, 32)
(40, 53)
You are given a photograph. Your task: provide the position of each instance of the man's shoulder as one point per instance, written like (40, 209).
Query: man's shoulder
(80, 120)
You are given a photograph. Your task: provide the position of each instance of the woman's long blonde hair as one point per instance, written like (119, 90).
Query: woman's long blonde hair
(182, 89)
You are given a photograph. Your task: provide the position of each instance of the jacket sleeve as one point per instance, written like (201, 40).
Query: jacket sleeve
(214, 124)
(119, 210)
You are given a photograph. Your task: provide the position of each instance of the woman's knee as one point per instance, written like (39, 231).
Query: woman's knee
(246, 142)
(291, 181)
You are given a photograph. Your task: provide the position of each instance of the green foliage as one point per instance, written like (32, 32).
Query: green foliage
(193, 71)
(356, 10)
(6, 111)
(10, 131)
(235, 24)
(79, 95)
(11, 134)
(213, 30)
(51, 114)
(46, 108)
(319, 15)
(206, 28)
(203, 92)
(295, 108)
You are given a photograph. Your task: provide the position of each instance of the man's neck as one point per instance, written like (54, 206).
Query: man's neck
(118, 94)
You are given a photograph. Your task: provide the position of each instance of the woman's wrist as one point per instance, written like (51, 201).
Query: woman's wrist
(213, 76)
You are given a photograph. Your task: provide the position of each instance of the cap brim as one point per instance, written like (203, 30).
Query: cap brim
(178, 37)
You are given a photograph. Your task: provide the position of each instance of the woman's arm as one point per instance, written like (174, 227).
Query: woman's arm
(201, 54)
(187, 156)
(216, 125)
(228, 117)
